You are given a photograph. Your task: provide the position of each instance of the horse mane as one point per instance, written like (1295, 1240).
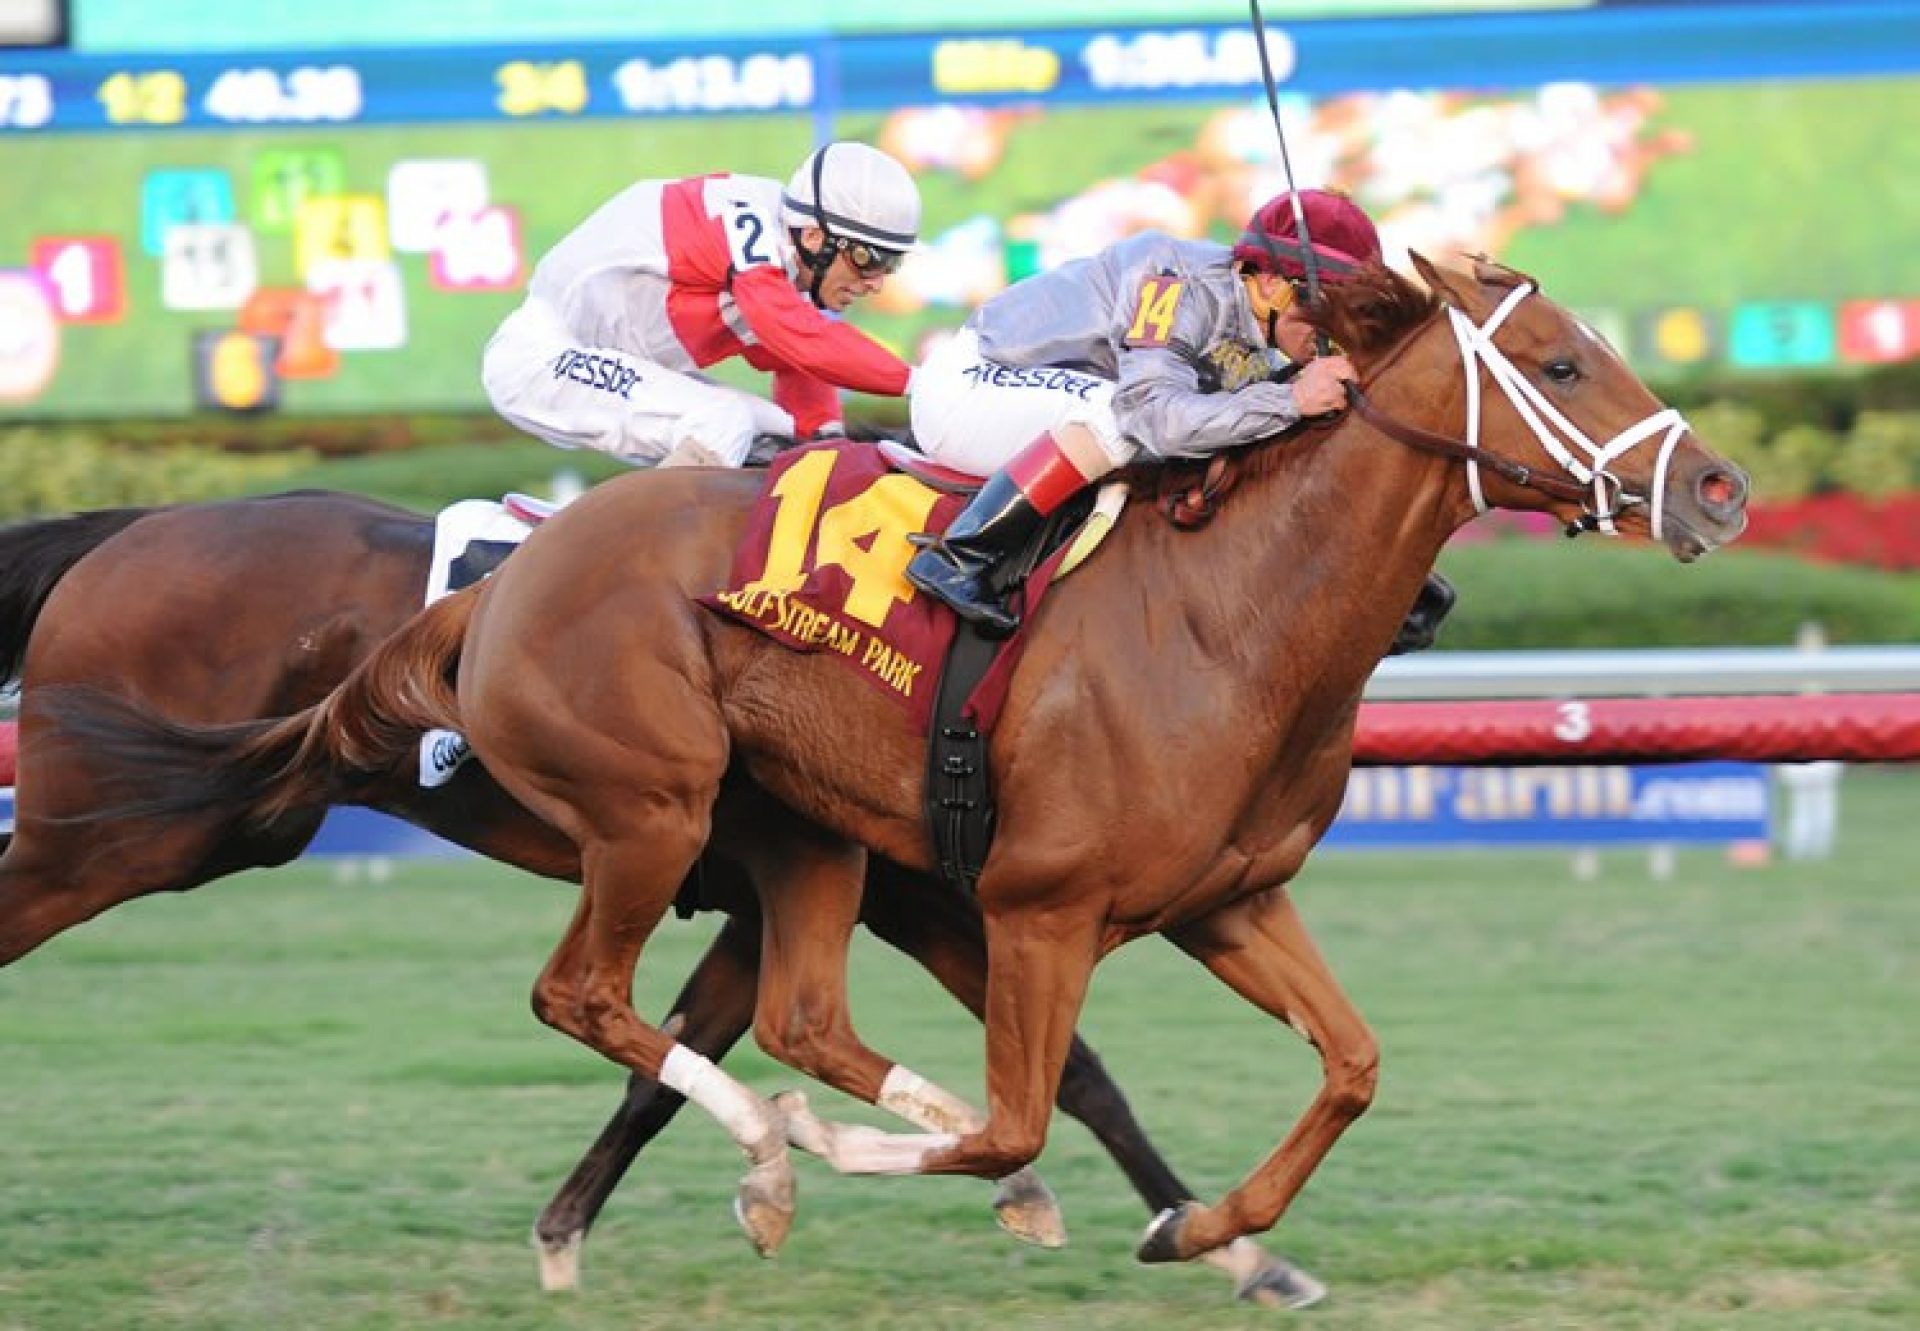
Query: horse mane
(1371, 312)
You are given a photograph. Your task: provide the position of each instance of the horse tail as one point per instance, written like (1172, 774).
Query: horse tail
(34, 556)
(268, 769)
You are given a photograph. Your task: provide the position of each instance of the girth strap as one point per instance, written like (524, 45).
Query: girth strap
(959, 797)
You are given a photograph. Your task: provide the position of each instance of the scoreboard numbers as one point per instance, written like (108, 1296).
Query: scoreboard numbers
(339, 226)
(480, 251)
(208, 267)
(363, 301)
(426, 196)
(85, 276)
(155, 97)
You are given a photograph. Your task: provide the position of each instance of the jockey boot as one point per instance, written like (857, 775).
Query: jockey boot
(1422, 624)
(958, 566)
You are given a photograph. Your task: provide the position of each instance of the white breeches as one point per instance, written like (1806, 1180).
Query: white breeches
(544, 381)
(974, 414)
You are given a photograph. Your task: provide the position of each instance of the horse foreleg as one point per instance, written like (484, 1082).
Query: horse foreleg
(713, 1011)
(810, 884)
(1038, 967)
(1260, 948)
(941, 930)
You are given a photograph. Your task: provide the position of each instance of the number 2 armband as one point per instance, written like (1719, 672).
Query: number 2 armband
(752, 237)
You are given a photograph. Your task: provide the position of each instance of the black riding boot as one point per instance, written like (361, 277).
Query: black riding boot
(1422, 624)
(958, 567)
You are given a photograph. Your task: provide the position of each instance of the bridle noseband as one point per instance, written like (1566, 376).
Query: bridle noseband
(1601, 495)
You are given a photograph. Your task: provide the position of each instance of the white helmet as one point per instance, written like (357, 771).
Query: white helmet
(854, 192)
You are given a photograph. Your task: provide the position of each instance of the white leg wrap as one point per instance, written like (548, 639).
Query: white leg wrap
(738, 1110)
(857, 1149)
(854, 1149)
(925, 1105)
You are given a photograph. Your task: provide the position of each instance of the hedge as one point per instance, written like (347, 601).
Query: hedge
(46, 471)
(1547, 592)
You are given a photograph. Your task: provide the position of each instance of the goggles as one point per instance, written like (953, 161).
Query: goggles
(870, 260)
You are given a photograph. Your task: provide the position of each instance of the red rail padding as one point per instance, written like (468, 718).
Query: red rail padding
(1851, 727)
(1854, 727)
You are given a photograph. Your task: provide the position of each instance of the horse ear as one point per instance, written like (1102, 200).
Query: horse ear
(1490, 272)
(1449, 286)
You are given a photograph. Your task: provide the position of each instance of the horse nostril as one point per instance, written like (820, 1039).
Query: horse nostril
(1722, 489)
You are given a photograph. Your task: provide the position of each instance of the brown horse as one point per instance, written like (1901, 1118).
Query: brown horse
(1176, 739)
(257, 608)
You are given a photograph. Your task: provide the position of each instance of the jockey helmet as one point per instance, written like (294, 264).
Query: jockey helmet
(855, 193)
(1343, 236)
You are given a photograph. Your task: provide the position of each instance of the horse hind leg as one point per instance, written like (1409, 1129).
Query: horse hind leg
(712, 1012)
(38, 904)
(586, 991)
(52, 879)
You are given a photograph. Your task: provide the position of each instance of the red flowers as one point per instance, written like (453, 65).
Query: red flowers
(1842, 528)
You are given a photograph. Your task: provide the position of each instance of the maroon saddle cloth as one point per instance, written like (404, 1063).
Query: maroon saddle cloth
(822, 568)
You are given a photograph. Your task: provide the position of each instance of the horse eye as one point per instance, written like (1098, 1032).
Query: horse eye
(1562, 371)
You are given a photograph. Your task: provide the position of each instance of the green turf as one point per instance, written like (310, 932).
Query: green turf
(293, 1102)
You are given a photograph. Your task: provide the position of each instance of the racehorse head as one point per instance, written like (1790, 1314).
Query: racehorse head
(1553, 419)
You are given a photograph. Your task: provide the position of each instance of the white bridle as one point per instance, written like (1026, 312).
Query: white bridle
(1544, 419)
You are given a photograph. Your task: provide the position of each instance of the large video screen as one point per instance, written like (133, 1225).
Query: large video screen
(237, 25)
(316, 231)
(364, 271)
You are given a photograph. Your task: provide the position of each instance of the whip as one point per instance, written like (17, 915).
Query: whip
(1308, 257)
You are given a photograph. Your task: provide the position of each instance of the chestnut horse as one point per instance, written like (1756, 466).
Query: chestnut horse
(1176, 739)
(257, 608)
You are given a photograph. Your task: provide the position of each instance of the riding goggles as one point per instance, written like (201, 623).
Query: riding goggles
(870, 260)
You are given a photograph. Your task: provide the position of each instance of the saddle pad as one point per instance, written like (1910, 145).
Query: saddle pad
(822, 567)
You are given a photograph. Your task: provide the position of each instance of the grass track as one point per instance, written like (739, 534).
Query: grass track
(291, 1102)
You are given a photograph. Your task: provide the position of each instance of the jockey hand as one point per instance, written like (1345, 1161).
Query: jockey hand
(1320, 388)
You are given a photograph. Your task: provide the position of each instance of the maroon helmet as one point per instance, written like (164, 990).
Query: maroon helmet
(1343, 236)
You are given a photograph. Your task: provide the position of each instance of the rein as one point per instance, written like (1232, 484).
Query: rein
(1426, 441)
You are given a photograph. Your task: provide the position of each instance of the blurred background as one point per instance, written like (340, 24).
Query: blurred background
(1648, 1029)
(239, 239)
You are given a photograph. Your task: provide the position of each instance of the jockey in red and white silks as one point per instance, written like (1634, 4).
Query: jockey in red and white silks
(1154, 346)
(670, 276)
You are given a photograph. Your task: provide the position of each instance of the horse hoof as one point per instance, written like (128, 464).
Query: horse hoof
(559, 1261)
(1026, 1209)
(1162, 1241)
(765, 1203)
(1282, 1286)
